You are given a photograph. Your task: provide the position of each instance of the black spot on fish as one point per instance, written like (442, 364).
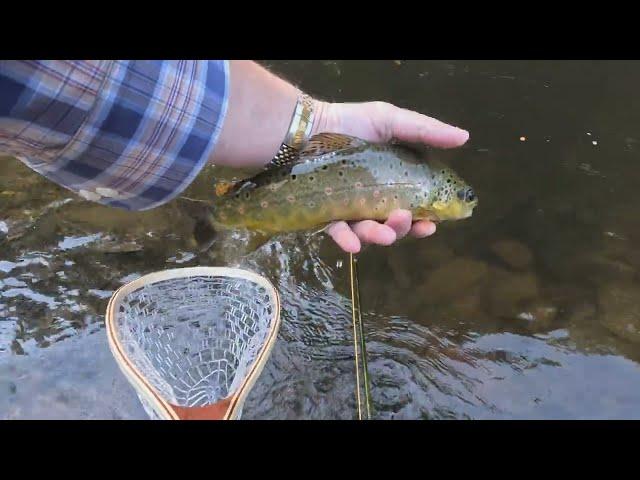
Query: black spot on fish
(341, 173)
(311, 178)
(324, 167)
(293, 177)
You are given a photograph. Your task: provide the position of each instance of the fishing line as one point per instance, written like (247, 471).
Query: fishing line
(359, 340)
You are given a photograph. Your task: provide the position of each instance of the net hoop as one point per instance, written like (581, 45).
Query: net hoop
(229, 408)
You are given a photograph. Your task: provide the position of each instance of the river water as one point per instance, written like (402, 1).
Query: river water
(529, 309)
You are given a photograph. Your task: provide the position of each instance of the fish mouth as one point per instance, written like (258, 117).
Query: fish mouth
(429, 216)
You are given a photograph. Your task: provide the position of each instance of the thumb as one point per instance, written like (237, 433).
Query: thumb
(414, 127)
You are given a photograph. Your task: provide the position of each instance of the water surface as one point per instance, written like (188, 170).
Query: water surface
(530, 309)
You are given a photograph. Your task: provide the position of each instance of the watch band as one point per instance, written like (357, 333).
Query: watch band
(298, 132)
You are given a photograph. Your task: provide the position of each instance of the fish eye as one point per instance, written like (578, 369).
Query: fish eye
(466, 194)
(470, 196)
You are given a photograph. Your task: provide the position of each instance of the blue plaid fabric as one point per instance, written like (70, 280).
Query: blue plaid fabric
(129, 134)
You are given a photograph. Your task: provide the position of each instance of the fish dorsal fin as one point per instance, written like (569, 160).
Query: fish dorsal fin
(324, 143)
(318, 145)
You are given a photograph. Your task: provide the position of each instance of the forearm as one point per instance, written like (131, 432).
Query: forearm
(259, 112)
(130, 134)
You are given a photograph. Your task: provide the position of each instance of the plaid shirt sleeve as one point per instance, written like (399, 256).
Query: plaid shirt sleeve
(129, 134)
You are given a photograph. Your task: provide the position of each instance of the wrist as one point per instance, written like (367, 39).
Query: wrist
(325, 118)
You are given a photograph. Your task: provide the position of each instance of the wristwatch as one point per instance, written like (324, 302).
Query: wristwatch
(299, 130)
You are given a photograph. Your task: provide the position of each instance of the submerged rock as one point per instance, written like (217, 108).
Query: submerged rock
(111, 244)
(604, 266)
(582, 314)
(618, 269)
(468, 307)
(454, 279)
(434, 254)
(513, 253)
(399, 267)
(620, 310)
(509, 292)
(538, 315)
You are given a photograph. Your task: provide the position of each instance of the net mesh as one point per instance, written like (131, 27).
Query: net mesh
(195, 338)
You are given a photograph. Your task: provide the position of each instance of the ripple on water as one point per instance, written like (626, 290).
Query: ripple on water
(524, 311)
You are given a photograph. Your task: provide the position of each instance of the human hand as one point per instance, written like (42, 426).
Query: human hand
(382, 122)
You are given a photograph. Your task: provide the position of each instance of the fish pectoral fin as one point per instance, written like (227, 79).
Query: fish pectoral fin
(256, 241)
(321, 229)
(223, 186)
(228, 188)
(324, 143)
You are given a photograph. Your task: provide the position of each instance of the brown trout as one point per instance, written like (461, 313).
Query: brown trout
(337, 177)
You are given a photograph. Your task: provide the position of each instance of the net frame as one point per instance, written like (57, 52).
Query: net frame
(156, 405)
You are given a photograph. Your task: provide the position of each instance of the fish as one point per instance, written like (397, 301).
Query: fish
(340, 177)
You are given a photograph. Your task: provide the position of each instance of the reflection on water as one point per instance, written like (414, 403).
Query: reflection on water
(530, 309)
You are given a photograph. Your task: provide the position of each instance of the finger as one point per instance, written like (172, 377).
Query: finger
(344, 237)
(400, 221)
(414, 127)
(369, 231)
(423, 228)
